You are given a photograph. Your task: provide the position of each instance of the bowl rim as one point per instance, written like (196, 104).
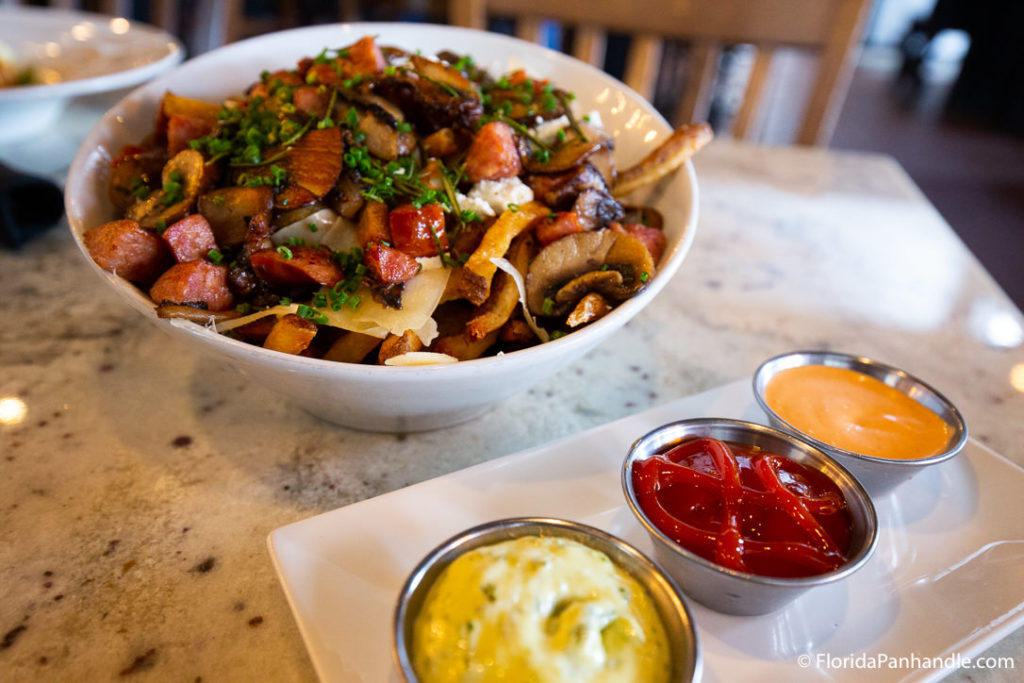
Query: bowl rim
(97, 83)
(499, 530)
(858, 560)
(588, 336)
(854, 362)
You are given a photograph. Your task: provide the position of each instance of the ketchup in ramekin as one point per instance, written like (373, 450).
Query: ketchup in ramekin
(744, 508)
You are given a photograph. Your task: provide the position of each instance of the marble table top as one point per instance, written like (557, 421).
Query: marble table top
(138, 487)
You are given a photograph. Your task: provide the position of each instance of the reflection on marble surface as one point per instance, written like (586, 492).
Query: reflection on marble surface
(140, 484)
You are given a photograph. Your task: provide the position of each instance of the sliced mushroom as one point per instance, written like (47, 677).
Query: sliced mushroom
(596, 209)
(611, 263)
(440, 73)
(379, 121)
(559, 190)
(593, 281)
(349, 198)
(288, 217)
(185, 172)
(574, 151)
(430, 104)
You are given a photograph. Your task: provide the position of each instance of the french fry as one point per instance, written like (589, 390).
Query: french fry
(290, 334)
(255, 331)
(351, 347)
(397, 345)
(462, 347)
(478, 271)
(504, 298)
(684, 142)
(516, 331)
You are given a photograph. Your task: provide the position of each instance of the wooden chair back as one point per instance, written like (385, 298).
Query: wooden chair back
(829, 28)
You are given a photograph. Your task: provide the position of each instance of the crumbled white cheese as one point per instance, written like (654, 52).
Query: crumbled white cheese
(497, 195)
(594, 119)
(474, 204)
(547, 131)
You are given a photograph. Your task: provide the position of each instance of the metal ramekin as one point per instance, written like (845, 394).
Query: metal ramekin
(727, 590)
(679, 626)
(879, 475)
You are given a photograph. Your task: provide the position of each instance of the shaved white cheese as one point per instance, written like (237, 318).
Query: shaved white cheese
(341, 236)
(517, 277)
(419, 299)
(323, 220)
(547, 131)
(416, 358)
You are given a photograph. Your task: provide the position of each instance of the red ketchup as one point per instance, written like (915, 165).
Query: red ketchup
(744, 508)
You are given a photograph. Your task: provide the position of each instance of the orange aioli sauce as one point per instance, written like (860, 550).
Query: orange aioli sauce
(855, 412)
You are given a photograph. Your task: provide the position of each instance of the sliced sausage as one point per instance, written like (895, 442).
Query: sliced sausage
(389, 265)
(494, 153)
(127, 249)
(190, 238)
(299, 265)
(194, 283)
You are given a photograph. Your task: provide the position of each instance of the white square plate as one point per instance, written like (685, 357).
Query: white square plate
(946, 581)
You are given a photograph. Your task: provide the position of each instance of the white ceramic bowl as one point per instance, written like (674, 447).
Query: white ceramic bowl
(376, 398)
(81, 53)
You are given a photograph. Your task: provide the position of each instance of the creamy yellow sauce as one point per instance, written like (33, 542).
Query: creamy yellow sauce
(538, 609)
(858, 413)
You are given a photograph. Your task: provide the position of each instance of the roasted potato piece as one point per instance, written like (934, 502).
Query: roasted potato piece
(373, 225)
(290, 334)
(397, 345)
(462, 347)
(351, 347)
(440, 143)
(516, 331)
(478, 271)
